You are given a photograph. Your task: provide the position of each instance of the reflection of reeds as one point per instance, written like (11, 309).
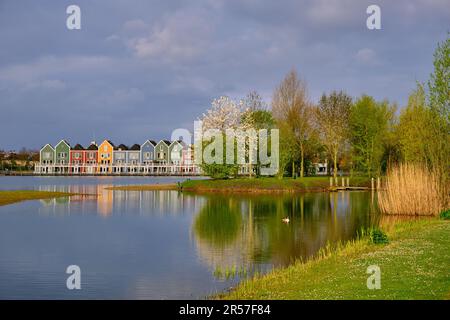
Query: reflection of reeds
(411, 189)
(228, 273)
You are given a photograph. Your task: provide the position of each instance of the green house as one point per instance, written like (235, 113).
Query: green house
(62, 155)
(162, 152)
(47, 155)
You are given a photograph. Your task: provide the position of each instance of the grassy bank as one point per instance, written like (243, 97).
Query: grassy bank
(269, 184)
(8, 197)
(414, 265)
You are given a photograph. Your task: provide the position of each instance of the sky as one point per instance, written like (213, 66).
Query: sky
(138, 69)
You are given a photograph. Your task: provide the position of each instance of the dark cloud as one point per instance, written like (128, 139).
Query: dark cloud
(139, 69)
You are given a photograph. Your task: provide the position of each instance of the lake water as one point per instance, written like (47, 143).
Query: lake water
(160, 244)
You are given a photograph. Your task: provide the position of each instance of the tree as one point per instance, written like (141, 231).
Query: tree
(439, 83)
(291, 110)
(332, 117)
(415, 128)
(439, 102)
(369, 125)
(224, 114)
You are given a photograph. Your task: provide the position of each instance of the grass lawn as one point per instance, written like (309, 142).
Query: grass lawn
(8, 197)
(414, 265)
(267, 184)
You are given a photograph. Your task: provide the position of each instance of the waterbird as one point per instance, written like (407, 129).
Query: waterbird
(285, 220)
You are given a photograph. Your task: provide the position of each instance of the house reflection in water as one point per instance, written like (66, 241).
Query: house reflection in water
(98, 199)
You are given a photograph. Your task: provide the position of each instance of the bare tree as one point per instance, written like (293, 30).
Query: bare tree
(291, 109)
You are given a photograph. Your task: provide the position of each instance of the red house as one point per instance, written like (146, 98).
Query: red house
(84, 160)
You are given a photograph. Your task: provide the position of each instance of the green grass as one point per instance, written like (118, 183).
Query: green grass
(8, 197)
(267, 184)
(414, 265)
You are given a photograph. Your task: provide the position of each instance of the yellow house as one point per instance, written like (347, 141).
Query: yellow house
(105, 156)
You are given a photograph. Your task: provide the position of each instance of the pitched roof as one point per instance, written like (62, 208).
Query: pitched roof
(78, 147)
(121, 147)
(135, 147)
(92, 147)
(153, 142)
(65, 141)
(167, 142)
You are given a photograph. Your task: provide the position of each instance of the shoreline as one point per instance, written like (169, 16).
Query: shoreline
(418, 248)
(13, 196)
(249, 185)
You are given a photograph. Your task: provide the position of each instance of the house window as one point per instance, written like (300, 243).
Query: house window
(47, 155)
(105, 148)
(147, 155)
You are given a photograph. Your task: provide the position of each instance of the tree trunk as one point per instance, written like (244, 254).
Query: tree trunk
(293, 169)
(301, 162)
(335, 164)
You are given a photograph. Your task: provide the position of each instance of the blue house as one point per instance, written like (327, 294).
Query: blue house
(148, 152)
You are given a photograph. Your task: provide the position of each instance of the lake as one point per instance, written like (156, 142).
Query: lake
(160, 244)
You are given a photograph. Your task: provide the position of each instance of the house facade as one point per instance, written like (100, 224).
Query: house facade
(47, 158)
(151, 158)
(62, 156)
(105, 157)
(162, 152)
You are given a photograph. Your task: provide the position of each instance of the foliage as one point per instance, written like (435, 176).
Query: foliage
(369, 124)
(291, 110)
(377, 236)
(332, 117)
(445, 215)
(439, 83)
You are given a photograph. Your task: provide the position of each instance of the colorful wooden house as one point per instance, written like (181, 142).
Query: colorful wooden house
(162, 152)
(47, 158)
(176, 152)
(91, 158)
(134, 155)
(77, 159)
(148, 152)
(62, 156)
(105, 156)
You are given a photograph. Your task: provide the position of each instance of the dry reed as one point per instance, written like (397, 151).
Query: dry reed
(411, 189)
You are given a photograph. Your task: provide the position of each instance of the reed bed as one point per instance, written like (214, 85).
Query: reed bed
(411, 189)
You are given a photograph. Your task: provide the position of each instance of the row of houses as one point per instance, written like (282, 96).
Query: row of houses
(151, 157)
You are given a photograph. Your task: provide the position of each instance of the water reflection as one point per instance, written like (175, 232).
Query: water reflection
(240, 232)
(215, 235)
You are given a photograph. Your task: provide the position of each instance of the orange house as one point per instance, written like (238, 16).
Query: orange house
(105, 156)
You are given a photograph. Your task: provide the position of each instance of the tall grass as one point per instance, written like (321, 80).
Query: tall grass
(411, 189)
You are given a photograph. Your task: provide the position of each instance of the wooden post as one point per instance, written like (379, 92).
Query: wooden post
(331, 181)
(348, 182)
(372, 183)
(343, 181)
(336, 181)
(378, 183)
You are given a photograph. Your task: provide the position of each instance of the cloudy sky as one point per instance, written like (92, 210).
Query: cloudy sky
(138, 69)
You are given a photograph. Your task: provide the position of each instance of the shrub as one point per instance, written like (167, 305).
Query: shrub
(377, 236)
(445, 215)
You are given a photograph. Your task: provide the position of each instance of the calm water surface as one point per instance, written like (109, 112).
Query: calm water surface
(160, 244)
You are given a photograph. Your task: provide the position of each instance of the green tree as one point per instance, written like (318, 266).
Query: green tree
(439, 83)
(369, 126)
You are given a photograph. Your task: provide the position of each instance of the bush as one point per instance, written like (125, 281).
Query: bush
(445, 215)
(377, 236)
